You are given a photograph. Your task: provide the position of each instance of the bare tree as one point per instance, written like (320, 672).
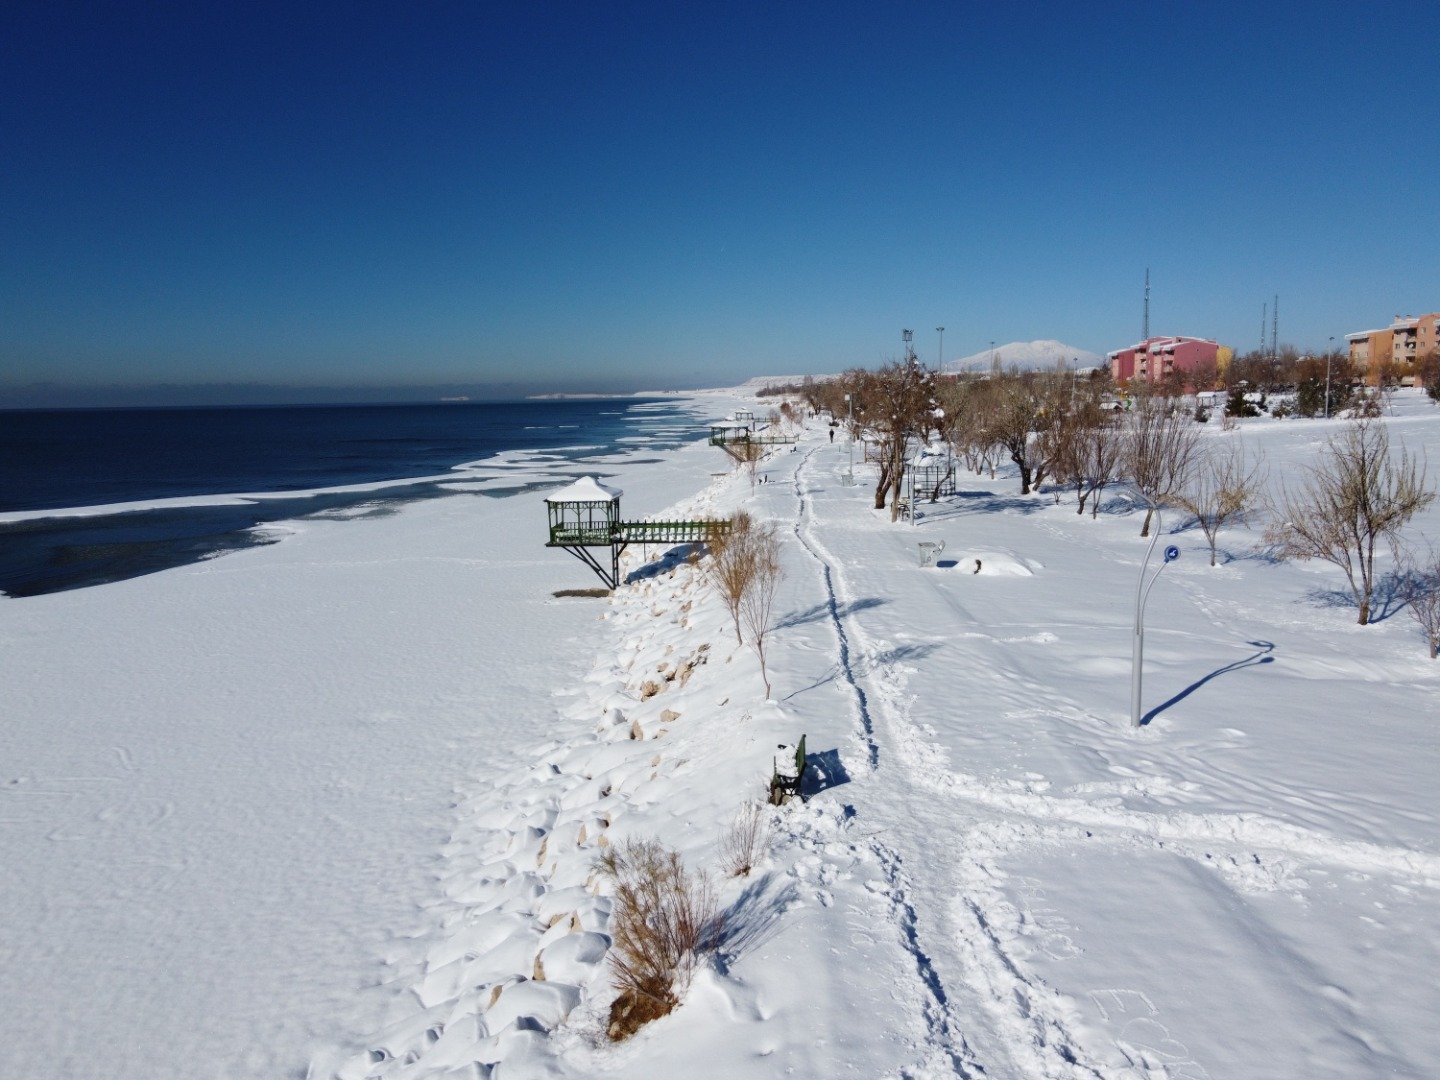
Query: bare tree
(1160, 448)
(731, 568)
(893, 404)
(751, 454)
(1422, 595)
(1222, 488)
(757, 601)
(1100, 450)
(1021, 409)
(1356, 496)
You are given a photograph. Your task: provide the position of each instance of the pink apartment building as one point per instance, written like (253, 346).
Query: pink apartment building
(1154, 358)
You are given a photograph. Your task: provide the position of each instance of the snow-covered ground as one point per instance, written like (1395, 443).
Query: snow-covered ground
(331, 807)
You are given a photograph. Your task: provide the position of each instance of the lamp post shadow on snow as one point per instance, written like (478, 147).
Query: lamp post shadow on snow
(1254, 660)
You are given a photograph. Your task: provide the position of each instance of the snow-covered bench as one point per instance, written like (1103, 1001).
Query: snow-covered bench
(784, 785)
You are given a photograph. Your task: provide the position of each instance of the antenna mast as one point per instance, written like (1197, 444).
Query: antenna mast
(1275, 329)
(1145, 327)
(1264, 318)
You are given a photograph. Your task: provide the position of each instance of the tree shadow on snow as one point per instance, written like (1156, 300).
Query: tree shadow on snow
(819, 612)
(987, 502)
(1253, 660)
(1391, 596)
(754, 917)
(864, 666)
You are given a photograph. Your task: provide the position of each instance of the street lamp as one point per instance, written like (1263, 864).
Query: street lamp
(940, 358)
(1328, 356)
(1142, 596)
(850, 469)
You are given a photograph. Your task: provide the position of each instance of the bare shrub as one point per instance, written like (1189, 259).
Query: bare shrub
(1160, 448)
(757, 601)
(730, 568)
(1086, 455)
(747, 840)
(1355, 497)
(664, 920)
(1422, 595)
(1223, 488)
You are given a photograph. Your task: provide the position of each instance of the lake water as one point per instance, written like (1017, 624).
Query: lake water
(62, 459)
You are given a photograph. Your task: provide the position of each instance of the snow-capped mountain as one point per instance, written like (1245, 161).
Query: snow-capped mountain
(1028, 356)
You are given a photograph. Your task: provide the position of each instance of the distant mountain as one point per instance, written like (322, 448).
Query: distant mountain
(1029, 356)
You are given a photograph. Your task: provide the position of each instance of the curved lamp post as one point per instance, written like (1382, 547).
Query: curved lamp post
(850, 427)
(1142, 597)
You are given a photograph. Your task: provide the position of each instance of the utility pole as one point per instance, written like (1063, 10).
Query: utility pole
(1329, 355)
(850, 469)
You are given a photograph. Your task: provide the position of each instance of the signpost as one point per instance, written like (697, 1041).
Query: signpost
(1142, 596)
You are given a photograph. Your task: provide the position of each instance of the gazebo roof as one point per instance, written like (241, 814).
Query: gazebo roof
(729, 425)
(586, 489)
(928, 457)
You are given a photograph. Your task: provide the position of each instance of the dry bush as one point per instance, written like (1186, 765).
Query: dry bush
(1422, 595)
(1222, 489)
(663, 921)
(1355, 497)
(747, 841)
(730, 568)
(757, 601)
(1160, 449)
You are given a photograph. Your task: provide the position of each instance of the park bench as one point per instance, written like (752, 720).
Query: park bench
(784, 785)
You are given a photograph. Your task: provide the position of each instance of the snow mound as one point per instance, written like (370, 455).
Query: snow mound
(1028, 356)
(989, 564)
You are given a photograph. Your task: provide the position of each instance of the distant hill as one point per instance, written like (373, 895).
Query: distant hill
(1029, 356)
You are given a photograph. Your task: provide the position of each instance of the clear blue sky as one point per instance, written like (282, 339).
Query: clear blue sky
(616, 195)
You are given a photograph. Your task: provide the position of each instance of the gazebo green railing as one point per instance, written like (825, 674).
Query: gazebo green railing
(586, 515)
(735, 437)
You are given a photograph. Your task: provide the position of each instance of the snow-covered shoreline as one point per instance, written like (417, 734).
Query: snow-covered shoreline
(346, 793)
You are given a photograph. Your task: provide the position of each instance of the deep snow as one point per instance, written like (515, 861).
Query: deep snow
(331, 806)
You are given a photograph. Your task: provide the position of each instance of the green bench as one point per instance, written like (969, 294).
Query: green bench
(784, 785)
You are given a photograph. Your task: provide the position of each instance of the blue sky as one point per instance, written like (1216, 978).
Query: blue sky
(617, 196)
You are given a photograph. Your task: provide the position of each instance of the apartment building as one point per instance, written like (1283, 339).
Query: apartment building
(1154, 358)
(1402, 342)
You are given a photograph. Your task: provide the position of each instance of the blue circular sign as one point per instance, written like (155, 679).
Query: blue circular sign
(1172, 553)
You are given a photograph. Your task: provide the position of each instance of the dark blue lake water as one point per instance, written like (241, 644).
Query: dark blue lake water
(56, 459)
